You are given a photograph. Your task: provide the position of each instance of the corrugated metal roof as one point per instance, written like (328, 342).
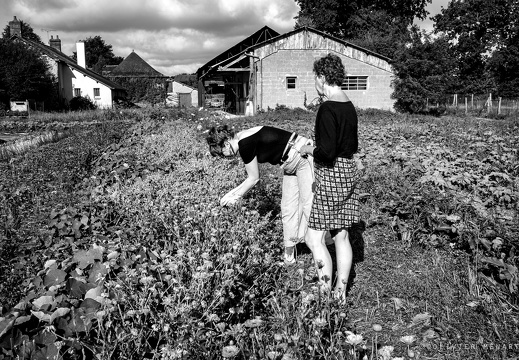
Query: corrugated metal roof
(223, 61)
(258, 37)
(310, 29)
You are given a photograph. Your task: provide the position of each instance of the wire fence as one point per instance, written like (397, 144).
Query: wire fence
(483, 104)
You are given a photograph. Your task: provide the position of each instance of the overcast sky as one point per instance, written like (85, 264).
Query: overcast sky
(173, 36)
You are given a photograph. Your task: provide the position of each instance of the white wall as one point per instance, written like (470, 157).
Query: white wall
(87, 85)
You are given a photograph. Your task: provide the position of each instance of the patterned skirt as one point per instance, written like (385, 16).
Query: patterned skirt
(336, 196)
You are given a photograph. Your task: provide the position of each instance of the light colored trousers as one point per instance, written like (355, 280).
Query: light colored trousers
(296, 198)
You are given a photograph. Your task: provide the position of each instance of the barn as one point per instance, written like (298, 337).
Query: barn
(223, 82)
(278, 71)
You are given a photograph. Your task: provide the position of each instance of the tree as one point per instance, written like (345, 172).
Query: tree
(377, 25)
(24, 74)
(27, 32)
(329, 16)
(425, 73)
(98, 53)
(483, 34)
(503, 66)
(188, 79)
(381, 32)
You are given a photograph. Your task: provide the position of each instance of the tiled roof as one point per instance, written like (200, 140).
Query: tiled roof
(59, 56)
(107, 69)
(135, 66)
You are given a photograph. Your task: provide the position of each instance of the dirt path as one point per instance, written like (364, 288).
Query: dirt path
(11, 136)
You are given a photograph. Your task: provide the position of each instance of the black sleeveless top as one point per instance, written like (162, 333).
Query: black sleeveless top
(267, 144)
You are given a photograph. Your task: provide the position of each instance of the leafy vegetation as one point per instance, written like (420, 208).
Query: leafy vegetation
(474, 49)
(380, 26)
(483, 35)
(78, 103)
(423, 73)
(26, 29)
(149, 90)
(98, 54)
(127, 254)
(24, 75)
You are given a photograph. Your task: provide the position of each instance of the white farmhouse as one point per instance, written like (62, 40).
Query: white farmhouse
(74, 79)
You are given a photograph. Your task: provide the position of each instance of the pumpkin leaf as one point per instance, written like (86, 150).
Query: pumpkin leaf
(54, 277)
(43, 300)
(42, 316)
(5, 325)
(94, 293)
(85, 258)
(59, 312)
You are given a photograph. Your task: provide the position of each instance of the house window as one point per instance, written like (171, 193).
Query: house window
(291, 82)
(355, 83)
(77, 92)
(97, 92)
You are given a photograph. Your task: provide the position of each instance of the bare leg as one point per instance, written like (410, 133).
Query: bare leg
(322, 258)
(344, 255)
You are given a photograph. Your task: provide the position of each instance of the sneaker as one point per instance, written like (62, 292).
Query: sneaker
(289, 259)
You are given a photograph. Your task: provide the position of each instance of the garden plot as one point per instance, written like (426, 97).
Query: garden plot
(145, 263)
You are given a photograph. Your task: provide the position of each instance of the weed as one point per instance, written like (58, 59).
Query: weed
(137, 259)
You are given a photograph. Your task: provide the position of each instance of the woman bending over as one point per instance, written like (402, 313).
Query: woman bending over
(266, 144)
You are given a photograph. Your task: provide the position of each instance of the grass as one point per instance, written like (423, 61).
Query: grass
(132, 257)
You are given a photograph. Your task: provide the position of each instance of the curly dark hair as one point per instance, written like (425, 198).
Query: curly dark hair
(332, 68)
(216, 137)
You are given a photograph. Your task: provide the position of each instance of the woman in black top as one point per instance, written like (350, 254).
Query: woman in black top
(336, 197)
(264, 144)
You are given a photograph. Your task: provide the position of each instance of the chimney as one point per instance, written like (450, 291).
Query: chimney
(55, 43)
(15, 27)
(80, 54)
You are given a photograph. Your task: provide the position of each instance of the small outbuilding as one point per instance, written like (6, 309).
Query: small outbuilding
(278, 71)
(181, 95)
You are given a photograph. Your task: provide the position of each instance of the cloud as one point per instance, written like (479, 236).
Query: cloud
(171, 35)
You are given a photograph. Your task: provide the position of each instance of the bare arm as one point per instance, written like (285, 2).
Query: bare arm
(252, 179)
(307, 150)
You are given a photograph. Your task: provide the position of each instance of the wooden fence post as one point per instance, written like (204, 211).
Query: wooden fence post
(499, 107)
(489, 103)
(472, 102)
(466, 106)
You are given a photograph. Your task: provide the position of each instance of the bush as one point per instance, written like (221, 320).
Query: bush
(81, 103)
